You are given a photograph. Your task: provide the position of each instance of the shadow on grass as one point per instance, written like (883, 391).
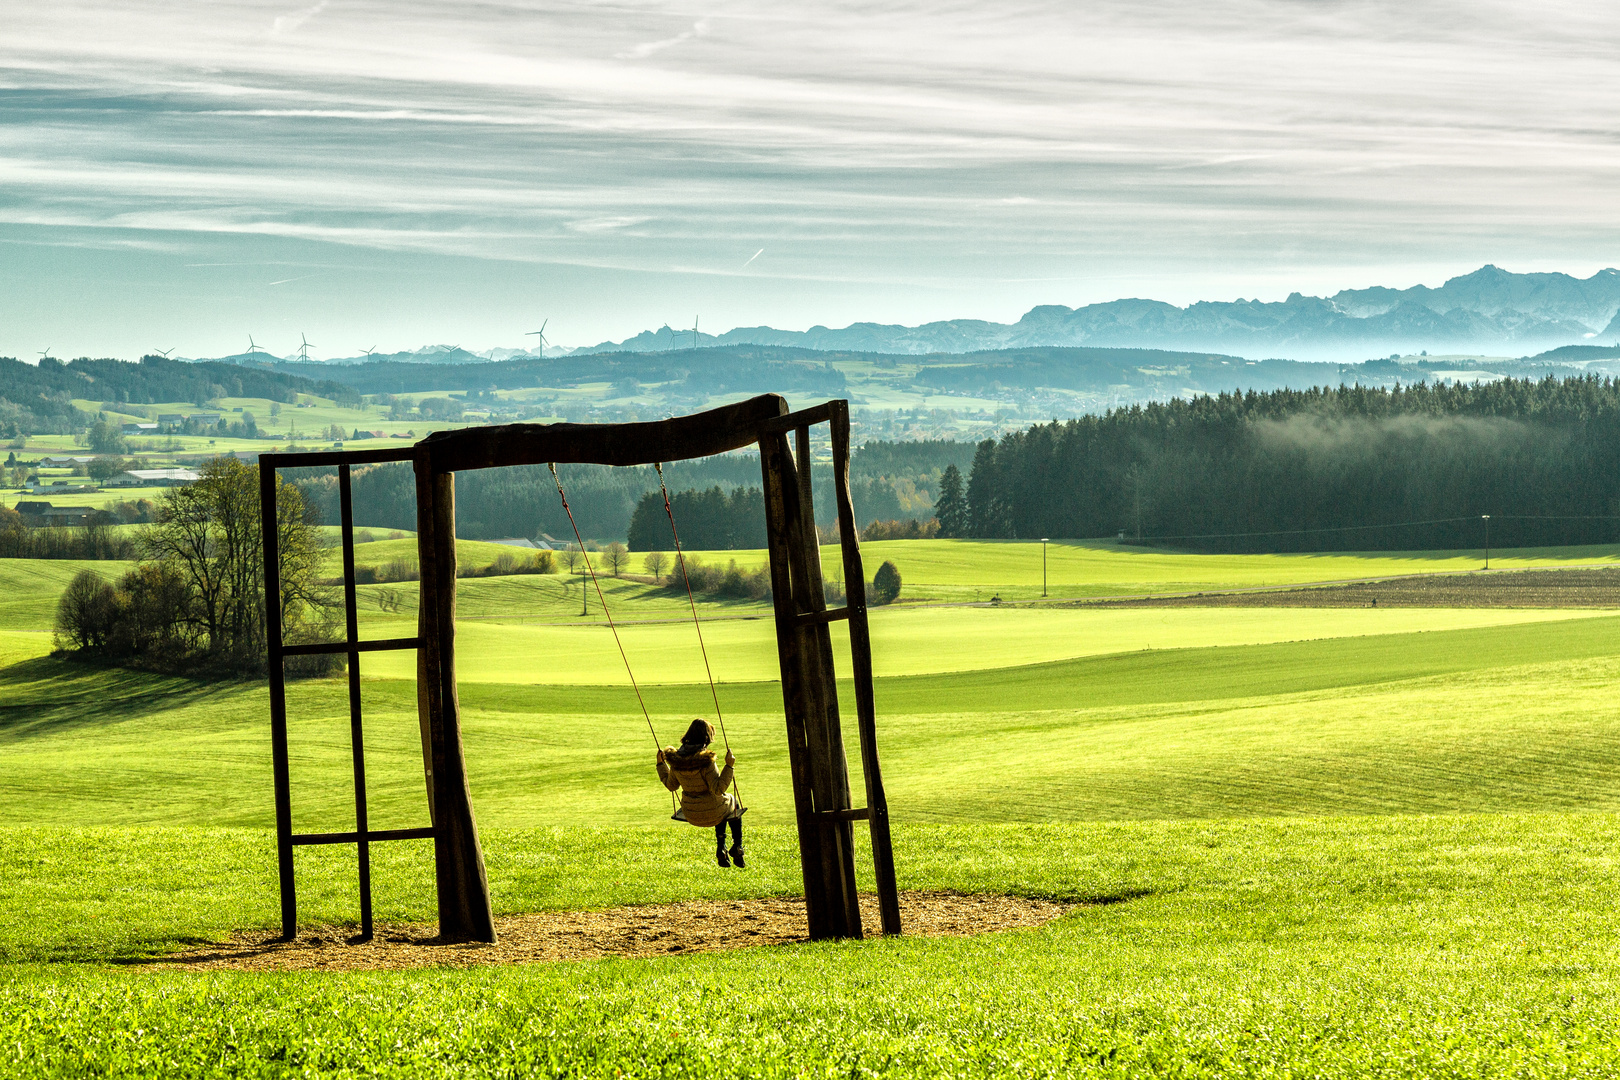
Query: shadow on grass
(45, 696)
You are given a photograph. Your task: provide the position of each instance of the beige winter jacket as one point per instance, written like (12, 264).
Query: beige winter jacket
(702, 784)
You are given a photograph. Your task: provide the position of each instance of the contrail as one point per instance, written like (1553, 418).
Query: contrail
(754, 256)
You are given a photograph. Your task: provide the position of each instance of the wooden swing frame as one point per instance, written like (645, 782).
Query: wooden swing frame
(818, 765)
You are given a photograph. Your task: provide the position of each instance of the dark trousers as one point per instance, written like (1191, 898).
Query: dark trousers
(736, 833)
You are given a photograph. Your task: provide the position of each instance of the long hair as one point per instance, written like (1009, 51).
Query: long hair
(700, 734)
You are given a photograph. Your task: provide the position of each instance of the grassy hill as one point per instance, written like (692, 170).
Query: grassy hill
(1338, 843)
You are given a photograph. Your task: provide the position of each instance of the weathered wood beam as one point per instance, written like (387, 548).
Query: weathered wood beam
(860, 651)
(463, 886)
(268, 519)
(716, 431)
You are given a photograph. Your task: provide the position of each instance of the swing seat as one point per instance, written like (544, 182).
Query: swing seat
(680, 813)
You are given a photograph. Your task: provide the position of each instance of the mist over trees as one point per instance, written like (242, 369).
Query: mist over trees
(1348, 468)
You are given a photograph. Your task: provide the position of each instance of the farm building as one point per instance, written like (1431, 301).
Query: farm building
(140, 429)
(153, 478)
(65, 461)
(37, 513)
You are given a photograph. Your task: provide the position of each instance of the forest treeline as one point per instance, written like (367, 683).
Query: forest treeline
(1346, 468)
(888, 481)
(711, 520)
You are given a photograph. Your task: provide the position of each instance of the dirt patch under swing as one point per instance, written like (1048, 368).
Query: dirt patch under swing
(642, 931)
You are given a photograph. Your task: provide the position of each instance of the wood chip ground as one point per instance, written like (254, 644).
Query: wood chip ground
(642, 931)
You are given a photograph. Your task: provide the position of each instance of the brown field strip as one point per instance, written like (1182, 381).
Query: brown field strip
(1578, 588)
(643, 931)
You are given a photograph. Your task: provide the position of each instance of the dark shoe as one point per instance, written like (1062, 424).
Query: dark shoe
(737, 856)
(720, 857)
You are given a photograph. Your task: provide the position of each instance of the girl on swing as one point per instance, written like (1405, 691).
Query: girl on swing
(702, 784)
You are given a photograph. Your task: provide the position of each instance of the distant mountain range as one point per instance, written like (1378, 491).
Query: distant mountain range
(430, 354)
(1489, 311)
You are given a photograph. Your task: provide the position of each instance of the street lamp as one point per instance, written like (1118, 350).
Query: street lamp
(1043, 567)
(1486, 518)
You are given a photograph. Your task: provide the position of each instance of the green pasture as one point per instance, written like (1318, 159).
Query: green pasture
(904, 642)
(31, 588)
(1460, 946)
(98, 499)
(978, 569)
(1493, 718)
(1301, 842)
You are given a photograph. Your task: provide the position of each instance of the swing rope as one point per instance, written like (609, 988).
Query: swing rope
(592, 570)
(697, 624)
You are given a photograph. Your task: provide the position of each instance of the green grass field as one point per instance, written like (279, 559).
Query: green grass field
(1304, 842)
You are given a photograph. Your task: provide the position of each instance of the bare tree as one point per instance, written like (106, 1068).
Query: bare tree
(570, 557)
(655, 561)
(615, 557)
(209, 532)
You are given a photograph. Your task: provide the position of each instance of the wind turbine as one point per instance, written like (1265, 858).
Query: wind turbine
(541, 334)
(303, 350)
(694, 333)
(252, 347)
(46, 355)
(165, 352)
(369, 351)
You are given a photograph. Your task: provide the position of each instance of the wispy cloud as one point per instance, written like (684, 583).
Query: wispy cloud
(648, 48)
(961, 151)
(286, 24)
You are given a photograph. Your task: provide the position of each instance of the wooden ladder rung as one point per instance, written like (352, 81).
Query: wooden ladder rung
(830, 817)
(818, 618)
(371, 835)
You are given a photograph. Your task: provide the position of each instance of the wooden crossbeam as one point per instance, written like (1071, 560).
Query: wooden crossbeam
(820, 618)
(832, 817)
(377, 645)
(371, 835)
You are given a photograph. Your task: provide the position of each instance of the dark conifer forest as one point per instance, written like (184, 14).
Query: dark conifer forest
(1351, 468)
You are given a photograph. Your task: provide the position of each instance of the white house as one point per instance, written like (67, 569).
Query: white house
(154, 478)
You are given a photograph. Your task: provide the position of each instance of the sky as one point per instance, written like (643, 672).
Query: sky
(366, 174)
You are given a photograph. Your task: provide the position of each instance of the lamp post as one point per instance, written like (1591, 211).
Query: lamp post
(1043, 567)
(1486, 518)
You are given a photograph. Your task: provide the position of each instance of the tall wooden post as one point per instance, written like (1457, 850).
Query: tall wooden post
(268, 521)
(463, 887)
(860, 655)
(809, 695)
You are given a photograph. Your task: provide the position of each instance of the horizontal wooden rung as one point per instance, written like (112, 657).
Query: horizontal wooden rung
(816, 414)
(818, 618)
(304, 839)
(378, 645)
(828, 817)
(308, 458)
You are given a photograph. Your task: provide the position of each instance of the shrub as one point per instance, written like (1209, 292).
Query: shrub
(86, 613)
(733, 582)
(911, 529)
(886, 584)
